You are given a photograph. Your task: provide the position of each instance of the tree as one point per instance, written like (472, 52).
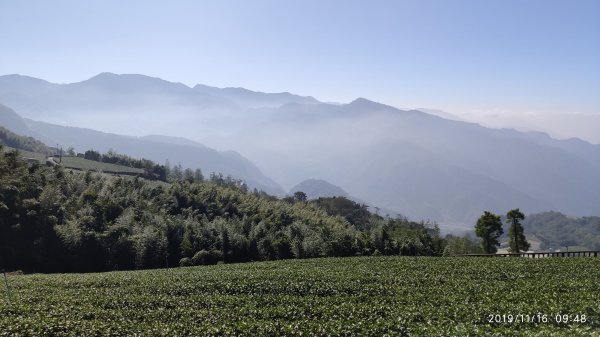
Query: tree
(516, 235)
(198, 175)
(225, 243)
(177, 172)
(489, 229)
(188, 175)
(300, 196)
(456, 245)
(92, 155)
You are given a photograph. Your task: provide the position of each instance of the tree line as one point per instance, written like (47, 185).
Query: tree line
(54, 219)
(57, 220)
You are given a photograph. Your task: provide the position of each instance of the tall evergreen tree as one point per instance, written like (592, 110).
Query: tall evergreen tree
(516, 235)
(489, 229)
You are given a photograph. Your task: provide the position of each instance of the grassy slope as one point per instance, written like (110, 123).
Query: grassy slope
(85, 164)
(80, 163)
(336, 296)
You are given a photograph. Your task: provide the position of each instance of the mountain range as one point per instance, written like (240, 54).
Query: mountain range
(413, 162)
(138, 105)
(161, 149)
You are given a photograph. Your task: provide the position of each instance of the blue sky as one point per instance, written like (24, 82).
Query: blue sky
(527, 56)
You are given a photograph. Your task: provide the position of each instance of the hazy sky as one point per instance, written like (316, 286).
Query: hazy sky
(495, 56)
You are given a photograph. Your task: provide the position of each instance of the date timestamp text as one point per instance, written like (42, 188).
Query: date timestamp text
(536, 318)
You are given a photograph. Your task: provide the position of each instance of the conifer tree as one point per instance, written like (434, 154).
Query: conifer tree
(516, 235)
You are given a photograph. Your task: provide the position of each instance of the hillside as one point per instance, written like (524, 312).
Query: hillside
(366, 296)
(31, 148)
(23, 143)
(556, 230)
(55, 220)
(411, 162)
(85, 164)
(157, 148)
(421, 165)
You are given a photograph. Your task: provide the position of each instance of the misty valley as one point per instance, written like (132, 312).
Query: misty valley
(120, 173)
(406, 162)
(426, 172)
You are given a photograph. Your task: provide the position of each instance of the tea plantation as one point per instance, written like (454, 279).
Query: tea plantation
(362, 296)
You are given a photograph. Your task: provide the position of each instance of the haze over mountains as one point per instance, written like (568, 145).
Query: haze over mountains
(158, 148)
(138, 105)
(421, 165)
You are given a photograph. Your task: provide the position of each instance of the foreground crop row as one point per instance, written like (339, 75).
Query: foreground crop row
(370, 296)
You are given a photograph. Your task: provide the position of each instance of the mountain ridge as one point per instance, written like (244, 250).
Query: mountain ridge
(193, 155)
(419, 164)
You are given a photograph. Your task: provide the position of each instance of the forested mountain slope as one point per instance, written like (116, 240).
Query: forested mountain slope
(160, 149)
(58, 220)
(414, 163)
(557, 231)
(421, 165)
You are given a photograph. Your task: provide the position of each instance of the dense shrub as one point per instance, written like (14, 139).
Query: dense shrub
(206, 257)
(185, 262)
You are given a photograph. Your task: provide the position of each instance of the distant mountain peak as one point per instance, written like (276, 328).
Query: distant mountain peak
(134, 82)
(108, 76)
(318, 188)
(362, 100)
(364, 103)
(104, 76)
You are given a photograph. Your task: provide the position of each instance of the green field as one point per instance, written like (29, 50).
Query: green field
(369, 296)
(81, 163)
(85, 164)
